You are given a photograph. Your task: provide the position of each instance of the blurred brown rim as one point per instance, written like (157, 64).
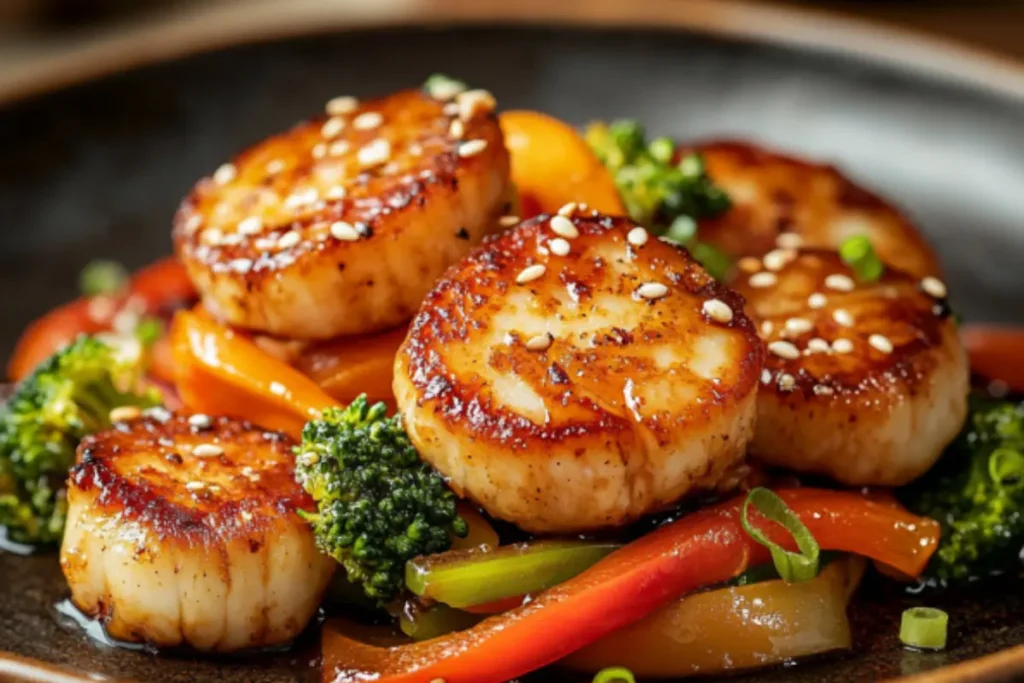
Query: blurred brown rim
(203, 26)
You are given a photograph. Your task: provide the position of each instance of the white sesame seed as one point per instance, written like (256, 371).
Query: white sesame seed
(124, 413)
(717, 310)
(798, 325)
(637, 237)
(158, 413)
(822, 390)
(195, 486)
(766, 376)
(457, 129)
(368, 120)
(843, 317)
(338, 148)
(288, 240)
(842, 346)
(231, 239)
(253, 225)
(200, 421)
(508, 221)
(301, 198)
(784, 349)
(473, 101)
(245, 515)
(224, 174)
(265, 243)
(540, 342)
(817, 300)
(818, 345)
(558, 246)
(762, 280)
(786, 382)
(275, 166)
(446, 88)
(933, 286)
(880, 343)
(840, 282)
(374, 153)
(789, 240)
(450, 109)
(332, 127)
(319, 150)
(766, 328)
(207, 450)
(652, 290)
(530, 273)
(778, 258)
(749, 264)
(338, 106)
(241, 265)
(567, 210)
(563, 227)
(211, 236)
(472, 148)
(336, 192)
(340, 230)
(194, 222)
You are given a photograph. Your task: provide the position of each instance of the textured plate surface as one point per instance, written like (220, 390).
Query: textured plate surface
(97, 170)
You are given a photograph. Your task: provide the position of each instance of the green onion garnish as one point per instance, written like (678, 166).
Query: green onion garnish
(443, 87)
(792, 567)
(1006, 467)
(149, 330)
(662, 149)
(858, 253)
(614, 674)
(682, 230)
(924, 627)
(102, 277)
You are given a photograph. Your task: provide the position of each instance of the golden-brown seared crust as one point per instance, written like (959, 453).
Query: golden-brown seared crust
(576, 365)
(863, 381)
(300, 230)
(774, 194)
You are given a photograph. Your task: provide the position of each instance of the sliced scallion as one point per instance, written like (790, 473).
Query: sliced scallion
(102, 277)
(858, 253)
(792, 567)
(615, 674)
(924, 627)
(1006, 467)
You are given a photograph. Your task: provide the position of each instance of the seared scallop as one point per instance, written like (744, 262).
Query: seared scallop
(783, 201)
(340, 225)
(576, 373)
(184, 532)
(865, 382)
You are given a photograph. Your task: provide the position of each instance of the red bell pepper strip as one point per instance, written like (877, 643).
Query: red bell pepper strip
(702, 549)
(994, 351)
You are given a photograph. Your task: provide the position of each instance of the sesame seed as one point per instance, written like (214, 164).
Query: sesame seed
(376, 152)
(637, 237)
(558, 246)
(445, 89)
(200, 421)
(530, 273)
(457, 129)
(332, 127)
(880, 343)
(789, 240)
(245, 515)
(933, 286)
(766, 328)
(778, 258)
(450, 109)
(275, 166)
(472, 148)
(252, 225)
(124, 413)
(472, 102)
(241, 265)
(786, 382)
(563, 227)
(337, 106)
(717, 310)
(195, 485)
(340, 230)
(839, 282)
(336, 192)
(288, 240)
(231, 239)
(194, 222)
(799, 325)
(265, 243)
(762, 280)
(319, 150)
(367, 120)
(842, 346)
(817, 300)
(843, 317)
(567, 210)
(652, 290)
(784, 349)
(338, 148)
(207, 450)
(211, 236)
(508, 221)
(224, 174)
(766, 376)
(301, 198)
(158, 413)
(749, 264)
(818, 345)
(822, 390)
(540, 342)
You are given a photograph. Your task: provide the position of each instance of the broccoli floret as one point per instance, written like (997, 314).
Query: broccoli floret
(67, 397)
(657, 191)
(378, 504)
(976, 492)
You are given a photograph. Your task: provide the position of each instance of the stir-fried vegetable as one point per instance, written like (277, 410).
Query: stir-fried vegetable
(421, 622)
(792, 567)
(924, 628)
(350, 366)
(994, 352)
(614, 674)
(702, 549)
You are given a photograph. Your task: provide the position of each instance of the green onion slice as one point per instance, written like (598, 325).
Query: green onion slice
(442, 86)
(858, 253)
(614, 674)
(792, 567)
(102, 277)
(1006, 467)
(924, 627)
(149, 330)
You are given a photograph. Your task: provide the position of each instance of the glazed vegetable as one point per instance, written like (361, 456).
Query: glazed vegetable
(68, 396)
(924, 628)
(735, 628)
(378, 504)
(421, 622)
(614, 674)
(350, 366)
(858, 253)
(995, 353)
(792, 567)
(976, 492)
(472, 577)
(702, 549)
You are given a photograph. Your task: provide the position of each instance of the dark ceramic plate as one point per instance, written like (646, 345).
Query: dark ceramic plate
(97, 170)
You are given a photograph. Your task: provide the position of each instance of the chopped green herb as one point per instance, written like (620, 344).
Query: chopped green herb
(615, 674)
(858, 253)
(443, 87)
(102, 277)
(149, 330)
(924, 627)
(792, 567)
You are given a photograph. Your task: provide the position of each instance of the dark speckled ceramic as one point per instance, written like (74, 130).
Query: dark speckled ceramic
(97, 170)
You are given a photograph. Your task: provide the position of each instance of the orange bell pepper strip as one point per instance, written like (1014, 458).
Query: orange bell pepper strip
(553, 165)
(702, 549)
(220, 372)
(994, 351)
(348, 367)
